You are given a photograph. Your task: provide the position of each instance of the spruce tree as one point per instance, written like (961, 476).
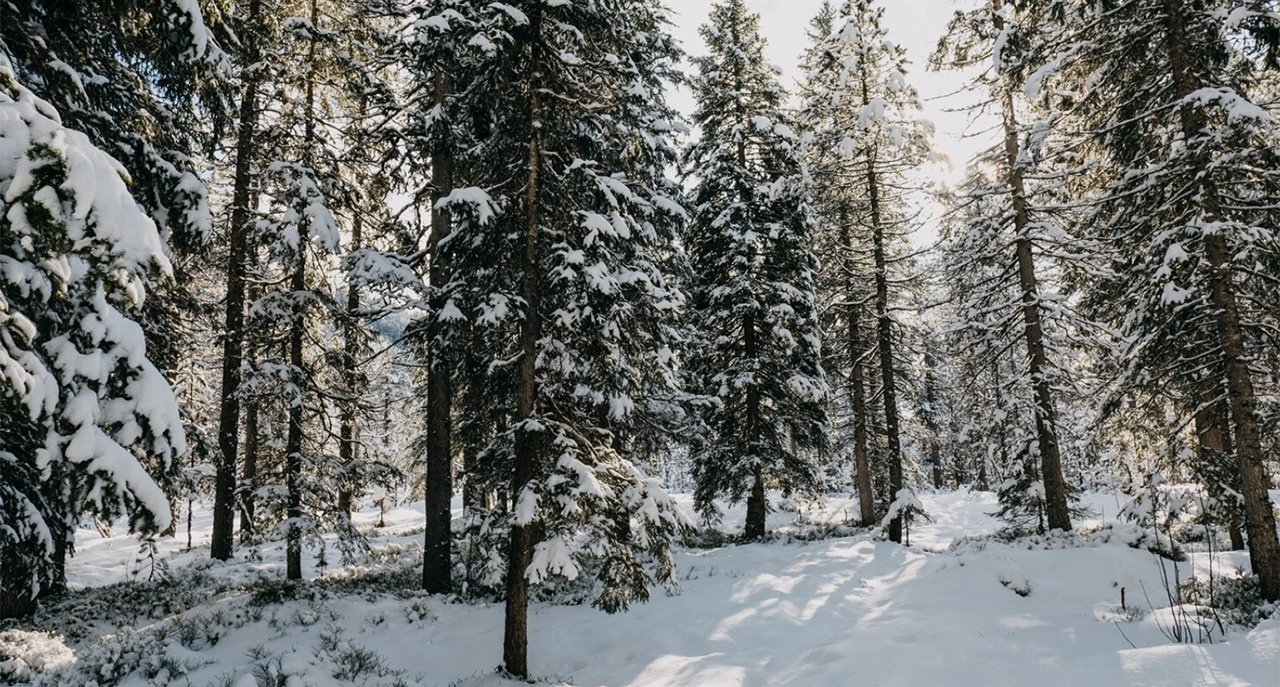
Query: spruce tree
(878, 138)
(845, 290)
(87, 418)
(753, 278)
(562, 220)
(1189, 247)
(1004, 237)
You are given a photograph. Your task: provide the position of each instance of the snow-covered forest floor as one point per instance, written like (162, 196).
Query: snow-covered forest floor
(818, 605)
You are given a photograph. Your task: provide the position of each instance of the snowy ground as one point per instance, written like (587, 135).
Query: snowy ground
(839, 611)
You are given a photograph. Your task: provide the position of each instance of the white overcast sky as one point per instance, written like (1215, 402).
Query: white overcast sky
(916, 25)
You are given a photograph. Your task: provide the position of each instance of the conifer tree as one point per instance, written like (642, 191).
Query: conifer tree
(753, 278)
(879, 139)
(437, 53)
(1004, 237)
(254, 35)
(845, 288)
(562, 217)
(1189, 248)
(86, 416)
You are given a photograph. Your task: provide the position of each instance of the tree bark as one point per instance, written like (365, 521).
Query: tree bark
(757, 508)
(298, 284)
(1055, 484)
(348, 430)
(515, 644)
(249, 483)
(857, 386)
(1264, 545)
(1213, 446)
(436, 564)
(223, 536)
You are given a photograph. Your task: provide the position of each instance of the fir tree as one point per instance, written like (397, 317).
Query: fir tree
(753, 278)
(1190, 246)
(562, 217)
(869, 113)
(845, 290)
(86, 415)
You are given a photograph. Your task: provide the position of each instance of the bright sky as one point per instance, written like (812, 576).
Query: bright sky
(916, 25)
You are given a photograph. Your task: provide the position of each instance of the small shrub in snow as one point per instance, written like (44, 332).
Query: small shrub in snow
(1130, 535)
(24, 655)
(96, 611)
(1016, 580)
(1235, 600)
(418, 611)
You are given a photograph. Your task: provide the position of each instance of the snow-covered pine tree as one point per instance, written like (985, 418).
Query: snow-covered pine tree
(845, 286)
(84, 412)
(758, 352)
(998, 249)
(1186, 170)
(145, 81)
(321, 91)
(253, 30)
(879, 140)
(562, 219)
(438, 55)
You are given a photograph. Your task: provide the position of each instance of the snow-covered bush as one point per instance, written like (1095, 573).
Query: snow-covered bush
(23, 655)
(86, 416)
(1015, 579)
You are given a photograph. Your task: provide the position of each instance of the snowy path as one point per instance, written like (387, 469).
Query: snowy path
(843, 611)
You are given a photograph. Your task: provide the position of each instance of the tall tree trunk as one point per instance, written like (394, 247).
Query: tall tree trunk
(293, 436)
(1260, 522)
(757, 502)
(857, 387)
(515, 643)
(757, 508)
(223, 537)
(884, 335)
(250, 478)
(1055, 484)
(348, 430)
(436, 563)
(298, 284)
(1213, 445)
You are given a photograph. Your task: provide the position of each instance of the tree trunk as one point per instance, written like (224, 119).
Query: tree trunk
(884, 335)
(436, 564)
(1055, 484)
(857, 387)
(298, 284)
(293, 437)
(757, 508)
(1264, 545)
(757, 504)
(223, 536)
(515, 642)
(247, 500)
(1213, 445)
(15, 599)
(348, 430)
